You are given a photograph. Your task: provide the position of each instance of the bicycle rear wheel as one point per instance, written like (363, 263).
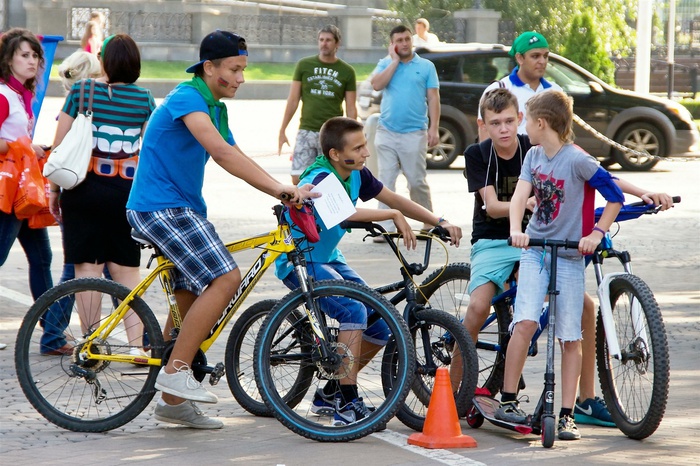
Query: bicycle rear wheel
(436, 335)
(239, 361)
(635, 386)
(447, 289)
(72, 390)
(286, 346)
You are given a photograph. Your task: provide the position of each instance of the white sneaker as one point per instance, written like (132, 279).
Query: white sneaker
(3, 346)
(183, 384)
(186, 413)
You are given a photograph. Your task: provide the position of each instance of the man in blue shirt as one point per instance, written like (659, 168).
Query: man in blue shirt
(409, 117)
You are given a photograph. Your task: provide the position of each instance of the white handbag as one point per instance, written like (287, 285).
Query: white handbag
(68, 162)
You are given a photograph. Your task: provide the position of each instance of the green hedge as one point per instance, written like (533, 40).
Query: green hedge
(693, 106)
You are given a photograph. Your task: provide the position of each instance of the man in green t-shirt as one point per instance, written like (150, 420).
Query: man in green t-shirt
(321, 82)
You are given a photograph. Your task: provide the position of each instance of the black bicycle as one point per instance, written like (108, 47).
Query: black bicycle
(436, 334)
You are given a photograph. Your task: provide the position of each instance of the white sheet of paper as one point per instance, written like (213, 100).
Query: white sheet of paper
(334, 205)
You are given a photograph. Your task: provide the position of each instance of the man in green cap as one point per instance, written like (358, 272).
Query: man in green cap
(531, 51)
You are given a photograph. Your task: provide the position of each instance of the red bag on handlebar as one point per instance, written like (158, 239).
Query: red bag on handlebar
(303, 217)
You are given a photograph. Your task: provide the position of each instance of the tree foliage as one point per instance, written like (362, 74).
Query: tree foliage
(584, 46)
(552, 18)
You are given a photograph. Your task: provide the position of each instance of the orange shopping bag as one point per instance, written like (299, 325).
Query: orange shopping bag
(9, 180)
(31, 193)
(43, 218)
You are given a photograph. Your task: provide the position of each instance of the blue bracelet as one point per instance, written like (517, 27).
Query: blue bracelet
(596, 228)
(440, 220)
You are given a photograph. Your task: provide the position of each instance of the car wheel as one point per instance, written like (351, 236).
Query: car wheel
(449, 146)
(642, 137)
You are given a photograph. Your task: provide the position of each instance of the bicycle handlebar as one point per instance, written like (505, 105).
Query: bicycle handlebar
(635, 210)
(375, 229)
(541, 242)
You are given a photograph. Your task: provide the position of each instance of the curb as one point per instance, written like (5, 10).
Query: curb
(251, 90)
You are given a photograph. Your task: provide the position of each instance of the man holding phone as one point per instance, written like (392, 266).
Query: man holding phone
(409, 117)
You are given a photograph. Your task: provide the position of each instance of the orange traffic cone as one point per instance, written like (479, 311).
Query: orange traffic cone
(441, 428)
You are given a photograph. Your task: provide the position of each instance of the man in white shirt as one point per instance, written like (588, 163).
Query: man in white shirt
(531, 51)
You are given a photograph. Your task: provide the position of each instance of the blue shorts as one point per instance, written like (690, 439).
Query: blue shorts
(533, 282)
(351, 314)
(492, 260)
(189, 241)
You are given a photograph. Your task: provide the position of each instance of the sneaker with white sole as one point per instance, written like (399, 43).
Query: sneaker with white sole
(323, 405)
(567, 429)
(510, 411)
(349, 413)
(183, 384)
(187, 414)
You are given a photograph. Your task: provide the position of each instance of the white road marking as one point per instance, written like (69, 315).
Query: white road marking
(15, 296)
(441, 456)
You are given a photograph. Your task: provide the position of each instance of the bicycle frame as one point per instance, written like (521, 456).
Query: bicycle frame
(274, 243)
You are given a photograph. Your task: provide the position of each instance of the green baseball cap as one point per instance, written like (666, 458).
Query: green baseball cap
(528, 41)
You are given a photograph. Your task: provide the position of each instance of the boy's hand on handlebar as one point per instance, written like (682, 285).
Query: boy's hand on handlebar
(662, 199)
(454, 231)
(402, 227)
(291, 195)
(519, 239)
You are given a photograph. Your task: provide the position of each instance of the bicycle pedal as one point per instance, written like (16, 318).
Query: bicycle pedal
(217, 372)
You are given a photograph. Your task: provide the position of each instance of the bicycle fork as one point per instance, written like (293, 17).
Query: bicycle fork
(636, 313)
(327, 357)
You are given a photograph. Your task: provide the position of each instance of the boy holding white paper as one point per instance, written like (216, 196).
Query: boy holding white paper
(344, 153)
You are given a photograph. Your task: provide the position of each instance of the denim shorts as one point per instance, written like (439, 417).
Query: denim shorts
(351, 314)
(189, 241)
(492, 260)
(533, 282)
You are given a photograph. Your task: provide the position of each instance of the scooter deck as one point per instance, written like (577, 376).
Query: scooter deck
(487, 406)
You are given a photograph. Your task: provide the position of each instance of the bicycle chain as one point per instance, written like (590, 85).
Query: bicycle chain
(600, 136)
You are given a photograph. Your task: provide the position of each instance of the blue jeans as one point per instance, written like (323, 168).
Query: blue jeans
(351, 314)
(37, 248)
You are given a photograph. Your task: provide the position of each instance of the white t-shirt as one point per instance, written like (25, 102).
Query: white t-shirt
(431, 39)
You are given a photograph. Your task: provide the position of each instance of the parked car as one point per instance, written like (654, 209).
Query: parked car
(646, 123)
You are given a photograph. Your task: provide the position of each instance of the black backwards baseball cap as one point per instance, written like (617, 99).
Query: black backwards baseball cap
(219, 44)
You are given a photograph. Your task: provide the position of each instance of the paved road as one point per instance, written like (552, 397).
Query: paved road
(665, 252)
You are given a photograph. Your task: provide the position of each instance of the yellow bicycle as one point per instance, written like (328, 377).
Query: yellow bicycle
(116, 346)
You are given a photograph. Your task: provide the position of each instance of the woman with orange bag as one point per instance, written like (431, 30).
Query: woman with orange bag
(21, 59)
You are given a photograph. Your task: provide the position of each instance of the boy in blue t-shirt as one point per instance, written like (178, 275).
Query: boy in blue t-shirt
(344, 154)
(166, 206)
(562, 176)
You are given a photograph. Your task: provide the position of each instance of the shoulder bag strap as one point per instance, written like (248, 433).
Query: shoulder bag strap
(92, 92)
(82, 97)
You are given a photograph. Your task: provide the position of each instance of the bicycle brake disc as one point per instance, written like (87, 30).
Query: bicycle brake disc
(337, 371)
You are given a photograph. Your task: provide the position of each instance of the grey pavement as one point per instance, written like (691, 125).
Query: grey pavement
(665, 254)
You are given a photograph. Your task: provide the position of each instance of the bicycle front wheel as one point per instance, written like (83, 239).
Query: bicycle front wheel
(635, 385)
(437, 336)
(64, 384)
(285, 346)
(239, 361)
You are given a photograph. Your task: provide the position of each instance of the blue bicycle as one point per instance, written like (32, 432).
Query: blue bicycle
(631, 345)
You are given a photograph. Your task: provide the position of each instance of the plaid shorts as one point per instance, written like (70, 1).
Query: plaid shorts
(189, 241)
(306, 148)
